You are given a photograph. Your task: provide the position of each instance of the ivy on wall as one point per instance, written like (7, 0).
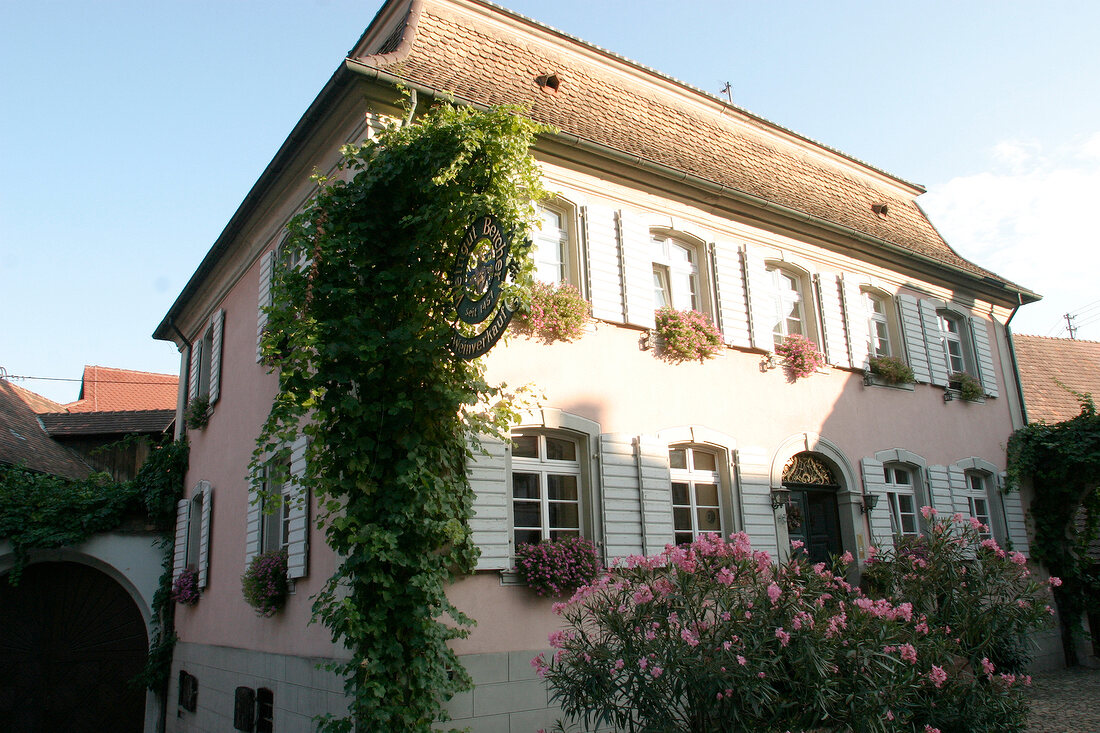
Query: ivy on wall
(39, 511)
(360, 339)
(1062, 463)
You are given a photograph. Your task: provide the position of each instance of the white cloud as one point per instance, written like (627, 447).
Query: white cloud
(1031, 219)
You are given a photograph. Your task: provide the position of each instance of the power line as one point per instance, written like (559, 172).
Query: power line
(5, 375)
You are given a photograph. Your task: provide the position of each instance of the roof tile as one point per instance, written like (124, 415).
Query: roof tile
(1050, 368)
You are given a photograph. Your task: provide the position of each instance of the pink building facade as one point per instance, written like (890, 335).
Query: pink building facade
(661, 194)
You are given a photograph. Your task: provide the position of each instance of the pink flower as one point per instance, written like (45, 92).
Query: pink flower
(909, 653)
(927, 512)
(741, 660)
(1054, 581)
(937, 676)
(987, 667)
(656, 671)
(773, 593)
(783, 636)
(689, 637)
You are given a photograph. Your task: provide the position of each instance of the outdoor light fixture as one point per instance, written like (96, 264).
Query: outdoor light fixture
(870, 501)
(780, 495)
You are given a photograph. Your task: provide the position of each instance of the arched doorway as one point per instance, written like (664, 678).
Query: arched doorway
(71, 640)
(813, 517)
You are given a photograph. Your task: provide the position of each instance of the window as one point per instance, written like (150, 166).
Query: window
(265, 710)
(696, 504)
(204, 379)
(551, 253)
(793, 313)
(978, 501)
(206, 349)
(275, 527)
(547, 485)
(675, 274)
(900, 494)
(954, 341)
(881, 324)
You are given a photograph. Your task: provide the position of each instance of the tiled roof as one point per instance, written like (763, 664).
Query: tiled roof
(124, 422)
(35, 401)
(1046, 364)
(634, 110)
(105, 389)
(24, 442)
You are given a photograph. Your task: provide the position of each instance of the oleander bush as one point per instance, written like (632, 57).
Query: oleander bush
(713, 636)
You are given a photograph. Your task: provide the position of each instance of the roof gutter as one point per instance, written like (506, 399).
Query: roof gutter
(675, 174)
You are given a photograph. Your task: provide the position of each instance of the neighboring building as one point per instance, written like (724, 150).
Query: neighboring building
(661, 193)
(1051, 370)
(76, 627)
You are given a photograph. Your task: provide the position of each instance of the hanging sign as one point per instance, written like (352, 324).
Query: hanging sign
(476, 280)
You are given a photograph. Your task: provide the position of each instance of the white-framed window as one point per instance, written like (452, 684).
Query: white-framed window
(956, 346)
(548, 486)
(204, 379)
(901, 495)
(676, 273)
(551, 251)
(882, 324)
(696, 492)
(793, 304)
(275, 525)
(977, 499)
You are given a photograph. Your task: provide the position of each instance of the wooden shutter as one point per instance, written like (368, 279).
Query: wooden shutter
(207, 492)
(637, 269)
(195, 368)
(656, 492)
(297, 560)
(856, 323)
(761, 300)
(490, 526)
(830, 292)
(913, 334)
(604, 257)
(732, 305)
(1015, 523)
(253, 532)
(217, 323)
(179, 554)
(263, 300)
(933, 338)
(983, 356)
(941, 496)
(874, 482)
(754, 483)
(622, 504)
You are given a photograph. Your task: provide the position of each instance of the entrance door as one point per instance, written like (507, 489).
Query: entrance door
(813, 519)
(71, 639)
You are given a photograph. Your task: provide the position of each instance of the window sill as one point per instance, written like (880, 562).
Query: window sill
(950, 395)
(874, 380)
(510, 577)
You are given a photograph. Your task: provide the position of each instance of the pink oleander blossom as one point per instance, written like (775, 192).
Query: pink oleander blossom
(937, 676)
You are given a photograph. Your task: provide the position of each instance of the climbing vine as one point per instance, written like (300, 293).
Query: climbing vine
(360, 337)
(39, 511)
(1062, 463)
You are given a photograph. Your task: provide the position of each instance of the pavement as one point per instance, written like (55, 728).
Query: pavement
(1065, 701)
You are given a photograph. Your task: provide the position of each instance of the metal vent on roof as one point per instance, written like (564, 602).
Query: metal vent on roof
(881, 210)
(394, 39)
(548, 83)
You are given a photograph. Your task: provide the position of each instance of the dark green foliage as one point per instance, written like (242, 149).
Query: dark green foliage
(892, 369)
(1062, 462)
(360, 338)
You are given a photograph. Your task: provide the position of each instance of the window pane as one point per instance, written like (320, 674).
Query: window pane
(706, 495)
(525, 485)
(558, 449)
(901, 476)
(564, 515)
(527, 536)
(526, 513)
(704, 461)
(709, 521)
(906, 503)
(561, 487)
(684, 538)
(908, 524)
(677, 458)
(681, 519)
(680, 494)
(525, 446)
(660, 288)
(556, 534)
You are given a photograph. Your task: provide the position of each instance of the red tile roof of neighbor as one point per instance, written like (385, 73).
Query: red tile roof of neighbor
(35, 401)
(23, 442)
(105, 389)
(120, 422)
(1050, 368)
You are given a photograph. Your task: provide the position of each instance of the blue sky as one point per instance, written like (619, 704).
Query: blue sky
(130, 132)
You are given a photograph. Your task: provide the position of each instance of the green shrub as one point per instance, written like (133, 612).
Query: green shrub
(969, 387)
(892, 370)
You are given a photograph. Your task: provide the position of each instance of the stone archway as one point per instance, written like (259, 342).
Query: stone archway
(71, 640)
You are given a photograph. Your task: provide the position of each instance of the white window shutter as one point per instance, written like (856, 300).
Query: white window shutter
(754, 484)
(179, 554)
(604, 258)
(830, 291)
(656, 492)
(913, 334)
(983, 355)
(622, 499)
(1014, 519)
(733, 306)
(217, 323)
(959, 490)
(874, 482)
(856, 323)
(297, 562)
(933, 338)
(490, 526)
(263, 300)
(939, 486)
(195, 367)
(253, 532)
(761, 300)
(204, 531)
(637, 269)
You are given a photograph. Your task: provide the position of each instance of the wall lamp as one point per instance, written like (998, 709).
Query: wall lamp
(870, 501)
(780, 496)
